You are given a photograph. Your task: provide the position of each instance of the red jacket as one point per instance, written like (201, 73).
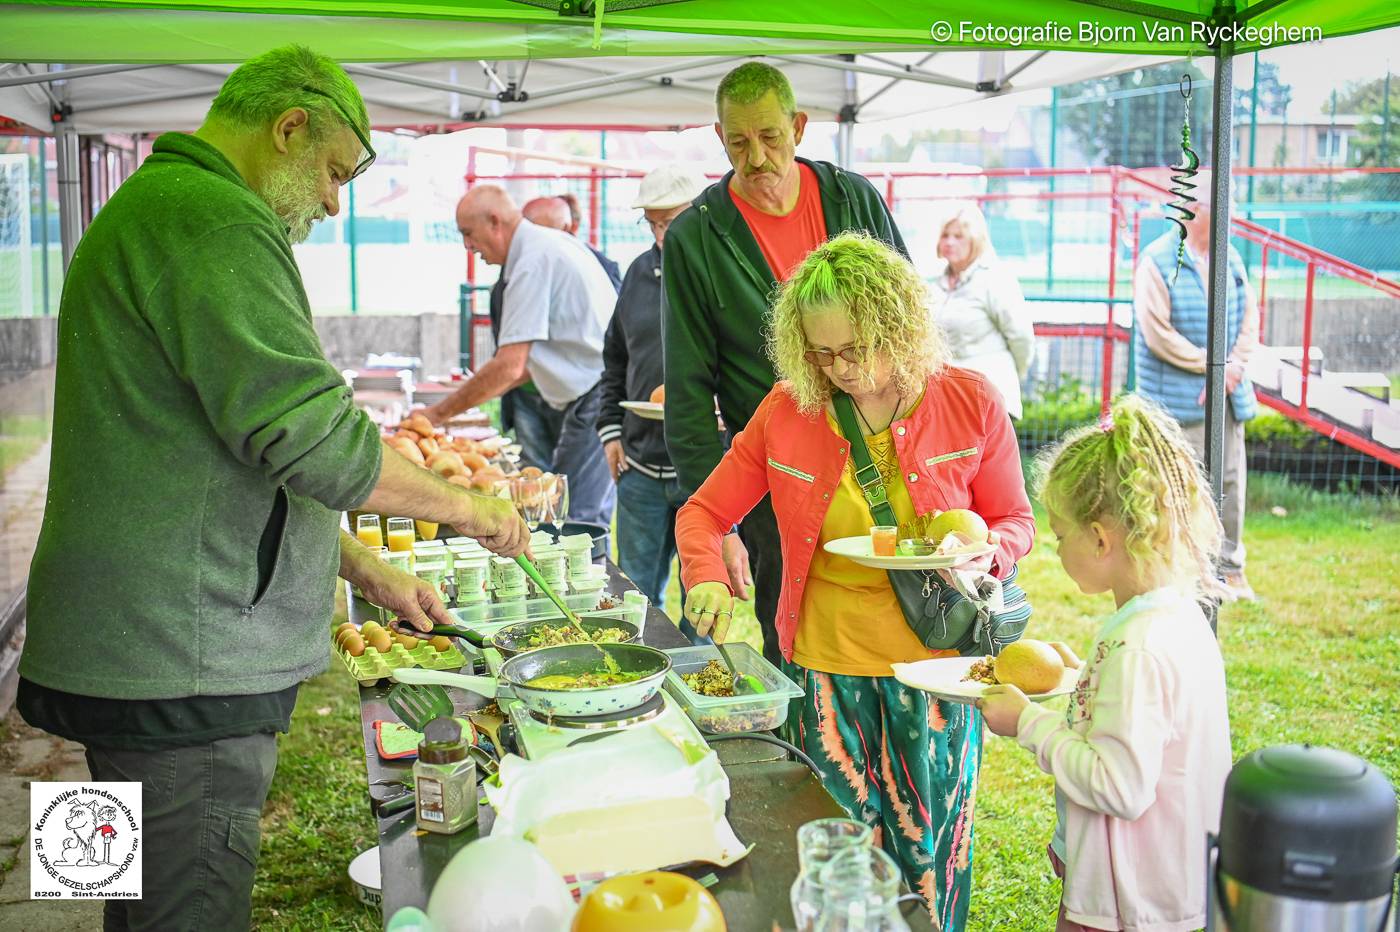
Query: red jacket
(956, 450)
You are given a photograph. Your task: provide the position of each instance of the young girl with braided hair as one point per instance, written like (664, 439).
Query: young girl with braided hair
(1141, 754)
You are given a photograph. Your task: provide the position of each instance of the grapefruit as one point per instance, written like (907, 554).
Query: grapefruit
(965, 522)
(1029, 665)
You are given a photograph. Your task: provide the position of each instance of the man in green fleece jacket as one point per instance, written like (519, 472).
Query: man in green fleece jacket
(722, 260)
(203, 449)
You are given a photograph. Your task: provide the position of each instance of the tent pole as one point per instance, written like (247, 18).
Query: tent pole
(44, 219)
(70, 198)
(1218, 287)
(845, 130)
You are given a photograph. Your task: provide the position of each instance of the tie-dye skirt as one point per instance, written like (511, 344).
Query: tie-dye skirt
(905, 764)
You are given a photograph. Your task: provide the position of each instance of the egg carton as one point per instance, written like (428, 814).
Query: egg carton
(373, 665)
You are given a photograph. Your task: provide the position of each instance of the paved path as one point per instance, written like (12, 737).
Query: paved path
(28, 754)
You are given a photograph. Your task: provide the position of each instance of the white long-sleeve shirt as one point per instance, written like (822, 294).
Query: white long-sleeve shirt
(988, 326)
(1139, 760)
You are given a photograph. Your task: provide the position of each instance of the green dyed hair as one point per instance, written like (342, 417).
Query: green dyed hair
(263, 88)
(884, 299)
(749, 82)
(1135, 470)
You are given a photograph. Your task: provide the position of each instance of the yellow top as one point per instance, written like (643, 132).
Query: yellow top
(850, 621)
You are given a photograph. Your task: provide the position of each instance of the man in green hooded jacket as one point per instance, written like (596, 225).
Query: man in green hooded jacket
(203, 450)
(723, 259)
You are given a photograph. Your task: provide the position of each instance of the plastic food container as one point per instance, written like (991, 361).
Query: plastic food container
(486, 618)
(471, 577)
(507, 575)
(435, 569)
(726, 715)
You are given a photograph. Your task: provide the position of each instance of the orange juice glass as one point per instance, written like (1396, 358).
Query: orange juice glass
(401, 534)
(427, 530)
(882, 540)
(368, 532)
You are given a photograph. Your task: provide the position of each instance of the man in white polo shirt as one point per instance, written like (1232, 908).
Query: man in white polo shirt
(556, 308)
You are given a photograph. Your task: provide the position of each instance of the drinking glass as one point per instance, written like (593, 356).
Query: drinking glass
(817, 843)
(530, 500)
(368, 532)
(557, 484)
(401, 535)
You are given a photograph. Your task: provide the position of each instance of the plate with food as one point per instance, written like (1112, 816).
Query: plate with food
(1040, 670)
(647, 409)
(930, 542)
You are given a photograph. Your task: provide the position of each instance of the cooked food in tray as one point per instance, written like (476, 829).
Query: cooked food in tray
(711, 680)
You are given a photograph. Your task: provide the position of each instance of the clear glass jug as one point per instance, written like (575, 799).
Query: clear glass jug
(817, 843)
(860, 893)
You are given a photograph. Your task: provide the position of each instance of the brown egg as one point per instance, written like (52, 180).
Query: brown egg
(342, 634)
(380, 640)
(369, 628)
(441, 642)
(408, 641)
(354, 645)
(344, 626)
(474, 461)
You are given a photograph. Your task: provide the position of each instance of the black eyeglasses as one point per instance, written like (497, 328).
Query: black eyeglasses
(852, 354)
(368, 160)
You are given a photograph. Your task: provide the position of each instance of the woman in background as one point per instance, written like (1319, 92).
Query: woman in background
(978, 303)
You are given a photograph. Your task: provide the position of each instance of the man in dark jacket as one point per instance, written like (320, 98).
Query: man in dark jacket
(648, 495)
(203, 451)
(748, 231)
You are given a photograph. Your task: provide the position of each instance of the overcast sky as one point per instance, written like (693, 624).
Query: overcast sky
(1313, 70)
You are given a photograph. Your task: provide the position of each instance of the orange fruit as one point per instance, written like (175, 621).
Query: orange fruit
(658, 395)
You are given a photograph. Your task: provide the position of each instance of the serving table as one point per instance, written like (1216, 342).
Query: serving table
(770, 798)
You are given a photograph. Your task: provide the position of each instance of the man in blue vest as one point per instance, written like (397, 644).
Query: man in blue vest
(1169, 347)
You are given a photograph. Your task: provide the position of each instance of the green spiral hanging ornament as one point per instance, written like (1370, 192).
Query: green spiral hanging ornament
(1182, 174)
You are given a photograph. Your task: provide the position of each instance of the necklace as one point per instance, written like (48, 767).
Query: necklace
(871, 431)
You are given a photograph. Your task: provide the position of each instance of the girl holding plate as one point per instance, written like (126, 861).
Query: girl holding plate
(853, 318)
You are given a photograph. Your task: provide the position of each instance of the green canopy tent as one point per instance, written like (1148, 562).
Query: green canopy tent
(134, 32)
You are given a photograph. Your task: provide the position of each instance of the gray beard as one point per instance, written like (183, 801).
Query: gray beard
(292, 195)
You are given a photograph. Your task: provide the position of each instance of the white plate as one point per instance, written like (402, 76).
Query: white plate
(943, 677)
(858, 549)
(647, 409)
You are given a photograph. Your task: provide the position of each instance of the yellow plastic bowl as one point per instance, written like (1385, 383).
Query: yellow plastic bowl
(656, 901)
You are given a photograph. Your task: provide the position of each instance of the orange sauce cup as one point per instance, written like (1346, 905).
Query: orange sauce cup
(882, 540)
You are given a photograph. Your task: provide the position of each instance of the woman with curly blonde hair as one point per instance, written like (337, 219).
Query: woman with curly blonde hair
(852, 320)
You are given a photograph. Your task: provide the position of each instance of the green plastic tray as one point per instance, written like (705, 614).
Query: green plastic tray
(372, 665)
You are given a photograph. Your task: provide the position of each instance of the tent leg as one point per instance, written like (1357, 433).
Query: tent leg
(70, 195)
(846, 129)
(1218, 286)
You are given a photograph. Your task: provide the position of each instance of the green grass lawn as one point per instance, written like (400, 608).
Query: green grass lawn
(1314, 660)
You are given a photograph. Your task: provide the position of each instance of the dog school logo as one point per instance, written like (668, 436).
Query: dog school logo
(85, 841)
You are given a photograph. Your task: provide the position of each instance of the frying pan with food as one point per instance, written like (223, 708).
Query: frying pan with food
(641, 669)
(515, 639)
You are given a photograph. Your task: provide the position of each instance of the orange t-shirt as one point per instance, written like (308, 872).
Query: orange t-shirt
(786, 240)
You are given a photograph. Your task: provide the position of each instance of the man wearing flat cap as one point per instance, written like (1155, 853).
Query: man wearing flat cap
(648, 493)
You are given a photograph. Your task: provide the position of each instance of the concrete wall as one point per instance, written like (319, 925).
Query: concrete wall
(1355, 334)
(349, 339)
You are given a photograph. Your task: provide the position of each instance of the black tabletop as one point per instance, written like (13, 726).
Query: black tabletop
(770, 798)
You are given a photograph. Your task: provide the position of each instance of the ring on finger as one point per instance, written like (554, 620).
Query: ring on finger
(726, 614)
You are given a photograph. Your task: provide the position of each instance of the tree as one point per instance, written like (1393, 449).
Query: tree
(1367, 100)
(1134, 119)
(1274, 95)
